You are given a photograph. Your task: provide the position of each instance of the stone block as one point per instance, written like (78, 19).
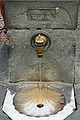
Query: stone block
(55, 14)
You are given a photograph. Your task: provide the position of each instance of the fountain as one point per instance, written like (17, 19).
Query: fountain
(41, 50)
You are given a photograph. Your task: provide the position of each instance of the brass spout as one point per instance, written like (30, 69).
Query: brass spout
(40, 42)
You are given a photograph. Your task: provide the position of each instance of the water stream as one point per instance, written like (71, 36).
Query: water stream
(40, 73)
(40, 84)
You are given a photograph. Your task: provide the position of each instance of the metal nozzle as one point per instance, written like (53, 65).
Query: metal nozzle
(40, 42)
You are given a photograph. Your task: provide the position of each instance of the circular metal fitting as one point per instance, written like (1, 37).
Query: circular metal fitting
(40, 38)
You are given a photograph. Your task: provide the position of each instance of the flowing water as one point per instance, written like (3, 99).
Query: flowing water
(40, 71)
(40, 74)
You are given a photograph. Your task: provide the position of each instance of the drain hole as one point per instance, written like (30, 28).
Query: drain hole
(40, 105)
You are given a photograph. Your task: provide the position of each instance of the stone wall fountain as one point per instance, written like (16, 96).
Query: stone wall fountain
(41, 59)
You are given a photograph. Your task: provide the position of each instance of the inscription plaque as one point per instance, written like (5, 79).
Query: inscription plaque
(41, 14)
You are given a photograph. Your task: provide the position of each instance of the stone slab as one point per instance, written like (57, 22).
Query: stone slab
(77, 58)
(3, 116)
(54, 14)
(75, 115)
(3, 62)
(57, 62)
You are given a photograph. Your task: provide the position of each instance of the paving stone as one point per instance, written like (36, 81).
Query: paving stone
(77, 93)
(75, 115)
(3, 116)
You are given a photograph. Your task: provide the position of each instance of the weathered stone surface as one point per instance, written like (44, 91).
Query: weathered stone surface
(77, 93)
(42, 14)
(3, 62)
(75, 115)
(57, 62)
(2, 96)
(77, 59)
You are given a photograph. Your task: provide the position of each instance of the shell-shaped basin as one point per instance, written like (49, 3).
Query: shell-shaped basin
(39, 101)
